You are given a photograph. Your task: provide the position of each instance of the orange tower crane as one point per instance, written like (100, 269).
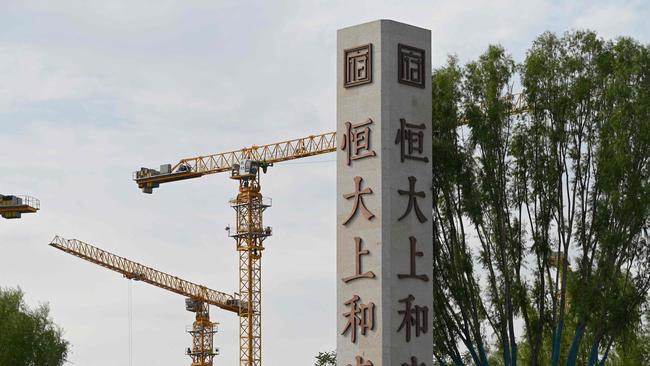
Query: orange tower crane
(198, 298)
(244, 166)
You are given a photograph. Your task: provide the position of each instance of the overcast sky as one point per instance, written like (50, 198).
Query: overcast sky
(90, 91)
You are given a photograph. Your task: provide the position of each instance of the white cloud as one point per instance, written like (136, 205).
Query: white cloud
(611, 20)
(25, 77)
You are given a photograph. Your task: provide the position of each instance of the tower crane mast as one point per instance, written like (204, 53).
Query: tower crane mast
(198, 297)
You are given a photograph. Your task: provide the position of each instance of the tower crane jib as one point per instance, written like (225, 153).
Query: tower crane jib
(198, 298)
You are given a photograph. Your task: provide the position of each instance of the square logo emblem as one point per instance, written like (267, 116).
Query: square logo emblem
(410, 65)
(358, 66)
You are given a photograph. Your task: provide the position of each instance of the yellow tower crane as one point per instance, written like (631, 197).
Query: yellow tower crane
(198, 298)
(12, 207)
(244, 166)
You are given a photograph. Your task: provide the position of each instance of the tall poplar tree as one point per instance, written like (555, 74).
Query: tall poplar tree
(540, 252)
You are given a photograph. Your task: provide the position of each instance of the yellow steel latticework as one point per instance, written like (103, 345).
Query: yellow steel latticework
(198, 297)
(249, 207)
(249, 234)
(195, 167)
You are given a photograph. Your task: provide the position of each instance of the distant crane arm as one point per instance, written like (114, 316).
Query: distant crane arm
(139, 272)
(195, 167)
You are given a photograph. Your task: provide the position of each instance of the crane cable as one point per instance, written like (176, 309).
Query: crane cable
(130, 299)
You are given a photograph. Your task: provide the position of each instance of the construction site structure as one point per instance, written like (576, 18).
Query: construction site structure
(198, 297)
(249, 235)
(244, 166)
(148, 179)
(12, 207)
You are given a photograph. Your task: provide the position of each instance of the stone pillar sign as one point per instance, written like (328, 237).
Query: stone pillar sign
(384, 228)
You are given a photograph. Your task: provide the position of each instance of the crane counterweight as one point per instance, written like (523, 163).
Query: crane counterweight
(12, 207)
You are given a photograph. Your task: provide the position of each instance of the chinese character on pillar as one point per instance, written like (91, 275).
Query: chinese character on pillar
(414, 254)
(360, 316)
(414, 362)
(358, 66)
(413, 203)
(411, 65)
(410, 138)
(358, 252)
(356, 141)
(361, 362)
(415, 318)
(357, 195)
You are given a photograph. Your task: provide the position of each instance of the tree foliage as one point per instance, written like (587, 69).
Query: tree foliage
(326, 359)
(28, 337)
(540, 253)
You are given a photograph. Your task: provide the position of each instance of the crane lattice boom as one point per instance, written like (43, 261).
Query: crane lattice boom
(139, 272)
(222, 162)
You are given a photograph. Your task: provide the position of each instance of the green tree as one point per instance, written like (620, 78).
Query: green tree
(633, 347)
(539, 217)
(458, 307)
(326, 359)
(28, 337)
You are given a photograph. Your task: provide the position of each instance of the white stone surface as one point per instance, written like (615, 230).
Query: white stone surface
(385, 101)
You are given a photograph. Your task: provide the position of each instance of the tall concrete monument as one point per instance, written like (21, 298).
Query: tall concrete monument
(384, 207)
